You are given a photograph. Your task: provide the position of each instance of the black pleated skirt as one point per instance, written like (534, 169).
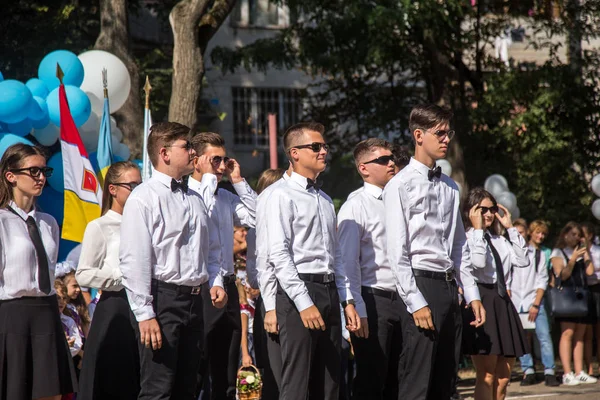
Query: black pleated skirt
(34, 355)
(502, 334)
(111, 364)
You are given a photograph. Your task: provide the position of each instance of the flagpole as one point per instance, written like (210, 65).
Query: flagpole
(59, 73)
(146, 168)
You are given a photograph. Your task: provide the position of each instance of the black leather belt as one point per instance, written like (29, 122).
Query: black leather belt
(379, 292)
(318, 278)
(229, 279)
(447, 276)
(181, 289)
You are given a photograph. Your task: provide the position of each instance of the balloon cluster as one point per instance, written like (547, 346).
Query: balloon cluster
(497, 185)
(596, 190)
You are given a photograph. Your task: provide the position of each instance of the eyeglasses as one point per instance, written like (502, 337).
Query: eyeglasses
(187, 146)
(217, 160)
(485, 210)
(35, 172)
(315, 146)
(128, 185)
(383, 160)
(442, 133)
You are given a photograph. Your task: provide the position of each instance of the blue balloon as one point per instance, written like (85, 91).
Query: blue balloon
(39, 113)
(8, 139)
(15, 101)
(53, 203)
(37, 87)
(70, 65)
(57, 179)
(79, 104)
(21, 128)
(3, 128)
(138, 162)
(1, 77)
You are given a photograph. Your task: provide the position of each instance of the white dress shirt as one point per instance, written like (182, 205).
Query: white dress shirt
(98, 265)
(18, 259)
(302, 238)
(167, 236)
(424, 231)
(595, 253)
(526, 281)
(265, 270)
(361, 237)
(227, 210)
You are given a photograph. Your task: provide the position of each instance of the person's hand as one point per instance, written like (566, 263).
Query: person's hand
(533, 313)
(578, 253)
(271, 322)
(71, 341)
(352, 318)
(233, 171)
(311, 318)
(218, 296)
(203, 165)
(423, 318)
(479, 312)
(150, 335)
(506, 219)
(251, 292)
(246, 360)
(475, 217)
(363, 331)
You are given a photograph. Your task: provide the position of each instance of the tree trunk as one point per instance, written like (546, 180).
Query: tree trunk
(574, 37)
(114, 38)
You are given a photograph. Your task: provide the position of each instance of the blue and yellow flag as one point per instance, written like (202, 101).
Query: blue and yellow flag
(105, 151)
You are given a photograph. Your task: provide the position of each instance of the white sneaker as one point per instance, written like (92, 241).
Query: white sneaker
(582, 377)
(570, 380)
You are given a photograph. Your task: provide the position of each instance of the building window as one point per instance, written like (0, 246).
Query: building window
(259, 14)
(251, 107)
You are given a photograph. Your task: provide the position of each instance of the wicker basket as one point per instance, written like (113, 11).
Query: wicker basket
(253, 394)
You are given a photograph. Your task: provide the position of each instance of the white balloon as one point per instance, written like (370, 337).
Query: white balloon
(445, 165)
(496, 184)
(596, 184)
(515, 213)
(122, 151)
(90, 131)
(119, 81)
(508, 200)
(596, 208)
(48, 135)
(115, 143)
(116, 132)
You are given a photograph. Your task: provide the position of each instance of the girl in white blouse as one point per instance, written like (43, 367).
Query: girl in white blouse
(35, 362)
(111, 363)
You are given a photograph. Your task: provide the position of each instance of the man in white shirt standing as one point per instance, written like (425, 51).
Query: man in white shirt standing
(427, 249)
(361, 236)
(222, 327)
(302, 245)
(169, 251)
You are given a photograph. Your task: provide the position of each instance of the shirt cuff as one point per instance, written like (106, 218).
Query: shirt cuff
(361, 308)
(415, 302)
(144, 313)
(269, 302)
(241, 187)
(513, 234)
(478, 234)
(471, 294)
(217, 281)
(302, 302)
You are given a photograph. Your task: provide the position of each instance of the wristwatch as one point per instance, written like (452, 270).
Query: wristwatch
(346, 302)
(535, 306)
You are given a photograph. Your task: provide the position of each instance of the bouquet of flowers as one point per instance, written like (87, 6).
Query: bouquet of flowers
(249, 383)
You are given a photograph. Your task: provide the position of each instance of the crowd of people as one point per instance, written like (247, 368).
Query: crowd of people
(181, 282)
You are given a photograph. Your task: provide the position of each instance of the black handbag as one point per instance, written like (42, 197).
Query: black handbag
(570, 301)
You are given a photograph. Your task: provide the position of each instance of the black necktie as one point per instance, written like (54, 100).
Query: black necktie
(313, 184)
(434, 172)
(537, 259)
(179, 185)
(499, 268)
(40, 251)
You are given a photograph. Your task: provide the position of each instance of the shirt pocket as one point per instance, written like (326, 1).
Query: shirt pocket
(417, 199)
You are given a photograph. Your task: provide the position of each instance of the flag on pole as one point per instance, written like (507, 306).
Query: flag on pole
(104, 155)
(83, 195)
(146, 164)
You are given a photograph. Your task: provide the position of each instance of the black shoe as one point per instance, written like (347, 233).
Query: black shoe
(551, 380)
(528, 380)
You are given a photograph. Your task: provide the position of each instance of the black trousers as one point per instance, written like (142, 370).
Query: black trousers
(170, 372)
(223, 334)
(429, 360)
(268, 354)
(377, 357)
(311, 358)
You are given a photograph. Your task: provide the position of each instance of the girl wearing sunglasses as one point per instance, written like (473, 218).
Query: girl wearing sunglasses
(111, 363)
(494, 345)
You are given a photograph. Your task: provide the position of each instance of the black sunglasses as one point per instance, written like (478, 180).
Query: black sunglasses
(217, 160)
(35, 171)
(128, 185)
(383, 160)
(187, 146)
(315, 146)
(492, 209)
(441, 134)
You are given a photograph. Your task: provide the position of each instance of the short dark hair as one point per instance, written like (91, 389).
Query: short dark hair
(204, 139)
(163, 134)
(427, 116)
(401, 156)
(297, 130)
(369, 145)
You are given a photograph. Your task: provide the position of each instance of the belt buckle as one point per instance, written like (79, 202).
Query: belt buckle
(449, 276)
(329, 278)
(195, 290)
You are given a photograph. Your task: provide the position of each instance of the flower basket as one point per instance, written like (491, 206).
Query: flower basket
(249, 383)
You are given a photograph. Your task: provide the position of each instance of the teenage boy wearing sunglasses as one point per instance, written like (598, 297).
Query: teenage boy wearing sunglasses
(361, 236)
(223, 327)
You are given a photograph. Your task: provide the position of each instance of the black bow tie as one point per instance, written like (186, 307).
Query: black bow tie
(434, 172)
(179, 185)
(313, 184)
